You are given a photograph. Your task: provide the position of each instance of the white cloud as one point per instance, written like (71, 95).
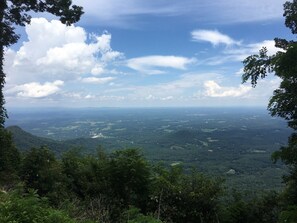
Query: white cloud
(36, 90)
(96, 80)
(213, 89)
(150, 64)
(119, 13)
(213, 36)
(240, 72)
(55, 51)
(170, 90)
(89, 96)
(239, 52)
(122, 13)
(167, 98)
(269, 44)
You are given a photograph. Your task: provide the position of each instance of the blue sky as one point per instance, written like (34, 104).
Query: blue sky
(141, 53)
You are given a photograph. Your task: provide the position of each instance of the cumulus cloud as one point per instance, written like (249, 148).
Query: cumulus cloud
(96, 80)
(150, 64)
(55, 51)
(213, 36)
(36, 90)
(213, 89)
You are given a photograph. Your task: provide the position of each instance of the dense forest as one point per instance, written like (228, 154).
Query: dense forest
(119, 187)
(122, 186)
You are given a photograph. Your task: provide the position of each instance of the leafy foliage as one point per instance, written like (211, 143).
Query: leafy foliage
(9, 159)
(41, 171)
(282, 64)
(130, 177)
(124, 187)
(289, 215)
(28, 208)
(103, 187)
(284, 100)
(263, 209)
(185, 198)
(133, 215)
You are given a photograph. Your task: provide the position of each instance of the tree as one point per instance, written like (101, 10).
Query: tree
(180, 197)
(42, 172)
(283, 103)
(284, 65)
(130, 177)
(9, 159)
(16, 13)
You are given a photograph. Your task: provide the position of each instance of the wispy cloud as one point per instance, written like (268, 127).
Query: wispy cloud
(237, 53)
(213, 36)
(125, 14)
(152, 64)
(97, 80)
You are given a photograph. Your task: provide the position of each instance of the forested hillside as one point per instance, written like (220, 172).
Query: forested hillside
(120, 187)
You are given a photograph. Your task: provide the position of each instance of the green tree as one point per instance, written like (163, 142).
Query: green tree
(130, 177)
(73, 167)
(180, 197)
(9, 159)
(261, 209)
(17, 13)
(87, 181)
(42, 172)
(283, 103)
(284, 65)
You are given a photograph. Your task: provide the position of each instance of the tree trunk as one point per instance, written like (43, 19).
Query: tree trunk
(159, 205)
(3, 114)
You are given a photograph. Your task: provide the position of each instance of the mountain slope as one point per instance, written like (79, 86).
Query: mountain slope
(25, 141)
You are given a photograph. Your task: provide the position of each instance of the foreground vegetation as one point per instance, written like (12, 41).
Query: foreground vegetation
(120, 187)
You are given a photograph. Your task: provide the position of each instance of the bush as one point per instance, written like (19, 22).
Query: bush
(29, 208)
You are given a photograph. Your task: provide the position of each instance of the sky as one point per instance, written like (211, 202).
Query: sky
(144, 53)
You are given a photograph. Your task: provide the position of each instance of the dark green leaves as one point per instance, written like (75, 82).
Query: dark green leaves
(290, 13)
(283, 103)
(284, 65)
(257, 66)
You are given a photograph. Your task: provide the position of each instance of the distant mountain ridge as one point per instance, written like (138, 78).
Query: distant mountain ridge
(25, 141)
